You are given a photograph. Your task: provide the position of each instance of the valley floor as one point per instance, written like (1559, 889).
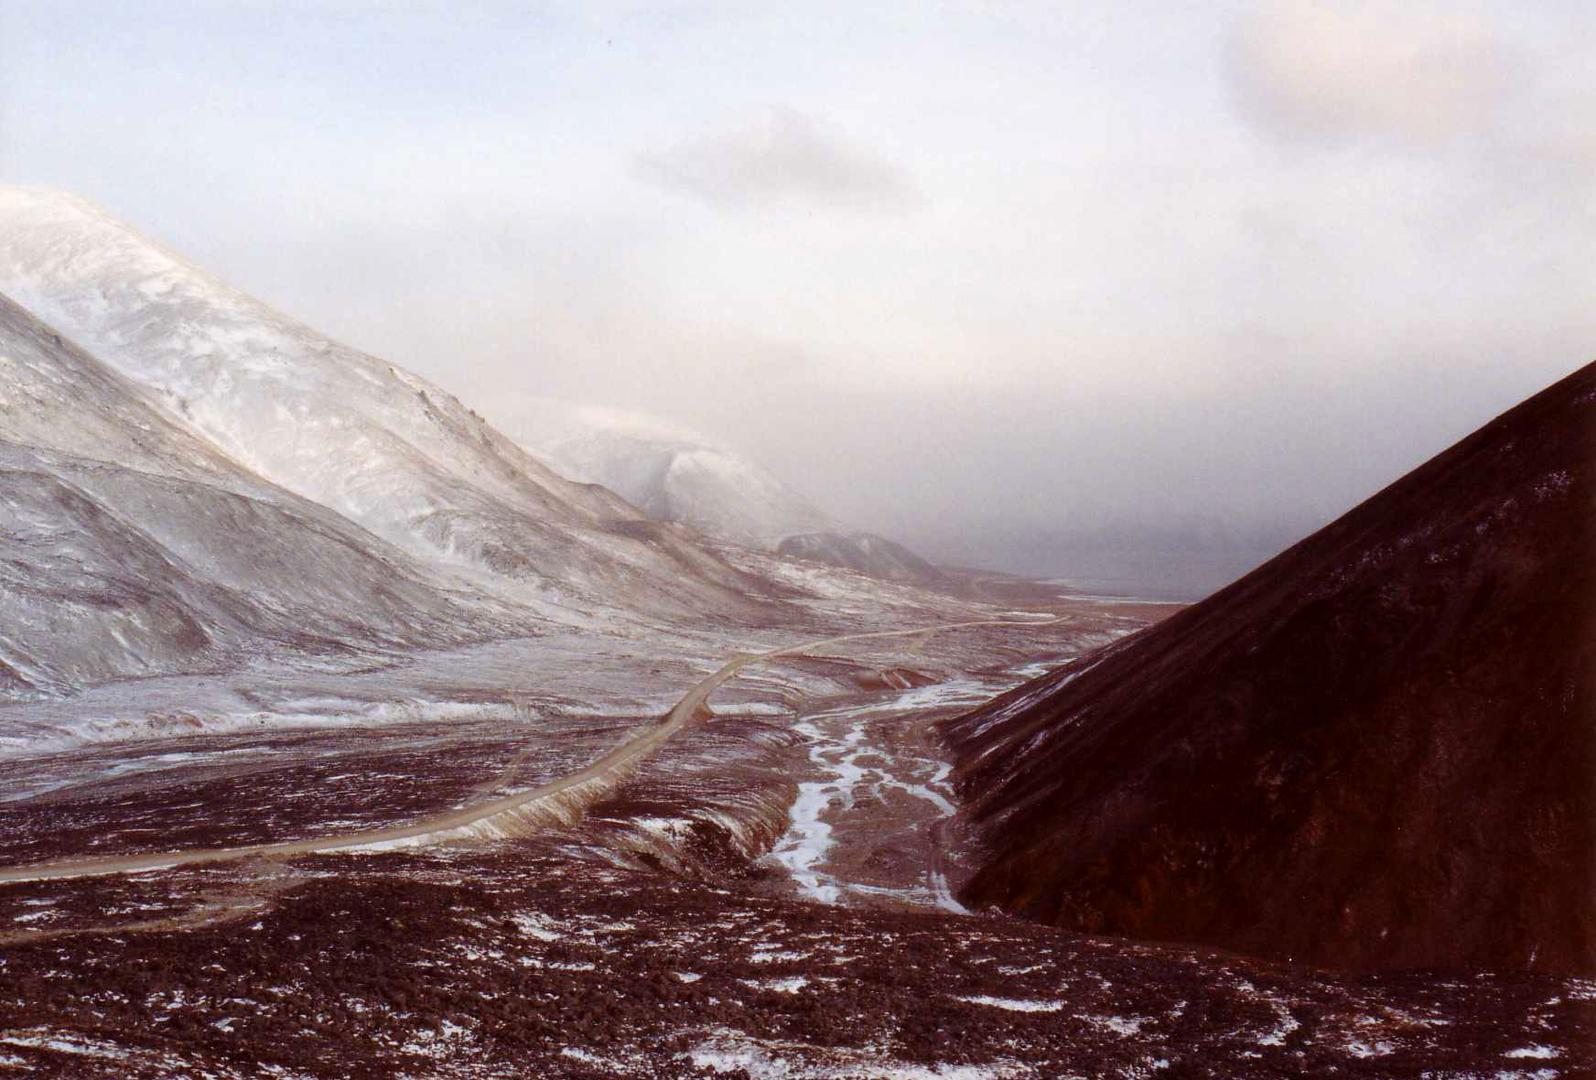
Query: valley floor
(763, 894)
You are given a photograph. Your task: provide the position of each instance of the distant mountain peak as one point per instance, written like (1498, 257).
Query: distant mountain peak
(674, 474)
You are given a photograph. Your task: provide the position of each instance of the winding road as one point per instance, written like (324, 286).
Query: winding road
(509, 815)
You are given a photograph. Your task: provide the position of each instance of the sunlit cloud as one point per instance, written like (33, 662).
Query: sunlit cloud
(1399, 70)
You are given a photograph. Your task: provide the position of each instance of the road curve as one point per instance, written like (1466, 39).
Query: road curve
(611, 765)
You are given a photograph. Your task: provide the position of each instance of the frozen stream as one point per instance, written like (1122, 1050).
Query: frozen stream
(808, 838)
(853, 768)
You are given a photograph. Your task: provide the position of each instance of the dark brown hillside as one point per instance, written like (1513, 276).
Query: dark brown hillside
(1378, 750)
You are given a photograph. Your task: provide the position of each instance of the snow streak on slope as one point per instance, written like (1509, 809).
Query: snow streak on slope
(379, 445)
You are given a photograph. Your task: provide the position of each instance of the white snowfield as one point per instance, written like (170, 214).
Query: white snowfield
(378, 445)
(677, 475)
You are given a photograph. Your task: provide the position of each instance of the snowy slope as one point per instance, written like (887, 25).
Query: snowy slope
(342, 428)
(130, 547)
(676, 475)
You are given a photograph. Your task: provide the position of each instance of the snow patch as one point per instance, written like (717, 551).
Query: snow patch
(1026, 1005)
(729, 1052)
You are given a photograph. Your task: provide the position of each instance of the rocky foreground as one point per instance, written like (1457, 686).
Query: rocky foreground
(525, 963)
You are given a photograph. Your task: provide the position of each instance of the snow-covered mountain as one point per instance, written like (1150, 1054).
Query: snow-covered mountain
(374, 443)
(673, 474)
(132, 547)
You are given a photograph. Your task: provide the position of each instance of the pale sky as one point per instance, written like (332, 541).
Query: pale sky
(990, 278)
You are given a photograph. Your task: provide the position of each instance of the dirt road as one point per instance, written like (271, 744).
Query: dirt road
(504, 816)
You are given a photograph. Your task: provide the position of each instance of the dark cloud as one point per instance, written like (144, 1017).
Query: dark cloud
(785, 158)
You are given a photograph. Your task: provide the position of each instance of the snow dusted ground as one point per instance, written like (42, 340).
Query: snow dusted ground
(655, 936)
(562, 672)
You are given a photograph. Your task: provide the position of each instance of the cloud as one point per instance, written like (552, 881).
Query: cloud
(785, 158)
(1394, 69)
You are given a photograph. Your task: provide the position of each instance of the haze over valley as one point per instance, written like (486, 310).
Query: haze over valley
(1213, 273)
